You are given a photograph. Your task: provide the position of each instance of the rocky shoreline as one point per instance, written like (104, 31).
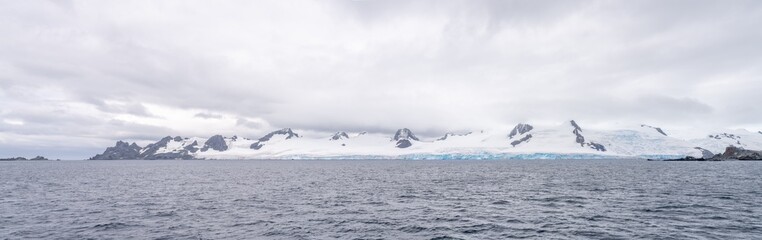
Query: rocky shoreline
(731, 153)
(38, 158)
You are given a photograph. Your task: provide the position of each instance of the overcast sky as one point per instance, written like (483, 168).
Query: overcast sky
(75, 76)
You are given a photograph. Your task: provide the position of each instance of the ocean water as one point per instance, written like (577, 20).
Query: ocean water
(383, 199)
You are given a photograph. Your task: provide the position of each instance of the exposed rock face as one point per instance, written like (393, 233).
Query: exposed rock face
(578, 132)
(216, 142)
(403, 143)
(153, 147)
(120, 151)
(581, 139)
(125, 151)
(339, 136)
(520, 129)
(655, 128)
(260, 143)
(522, 140)
(177, 139)
(596, 146)
(405, 134)
(733, 152)
(191, 147)
(256, 145)
(286, 131)
(403, 137)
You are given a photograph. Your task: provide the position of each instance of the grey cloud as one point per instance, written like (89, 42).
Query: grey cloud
(249, 123)
(208, 115)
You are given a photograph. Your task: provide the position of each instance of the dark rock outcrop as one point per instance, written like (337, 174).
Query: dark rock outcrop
(520, 129)
(256, 145)
(578, 133)
(403, 143)
(403, 137)
(596, 146)
(177, 139)
(216, 142)
(260, 142)
(655, 128)
(522, 140)
(737, 153)
(193, 147)
(120, 151)
(731, 153)
(727, 135)
(125, 151)
(37, 158)
(152, 148)
(581, 139)
(404, 134)
(286, 131)
(339, 136)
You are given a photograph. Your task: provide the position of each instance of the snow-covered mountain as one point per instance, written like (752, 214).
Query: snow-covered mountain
(567, 140)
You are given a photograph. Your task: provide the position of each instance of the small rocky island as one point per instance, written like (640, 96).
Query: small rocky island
(731, 153)
(37, 158)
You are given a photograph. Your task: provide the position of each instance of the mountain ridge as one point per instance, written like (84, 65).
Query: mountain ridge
(522, 141)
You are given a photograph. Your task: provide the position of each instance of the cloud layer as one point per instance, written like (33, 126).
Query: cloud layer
(78, 75)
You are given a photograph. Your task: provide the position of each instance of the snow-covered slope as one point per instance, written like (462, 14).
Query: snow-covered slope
(567, 140)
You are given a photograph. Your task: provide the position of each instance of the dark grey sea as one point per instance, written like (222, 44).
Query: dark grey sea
(240, 199)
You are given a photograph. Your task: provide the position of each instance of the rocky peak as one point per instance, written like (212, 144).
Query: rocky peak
(177, 139)
(216, 142)
(520, 129)
(404, 134)
(339, 136)
(153, 147)
(286, 131)
(120, 151)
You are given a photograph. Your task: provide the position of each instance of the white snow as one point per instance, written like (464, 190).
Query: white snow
(546, 141)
